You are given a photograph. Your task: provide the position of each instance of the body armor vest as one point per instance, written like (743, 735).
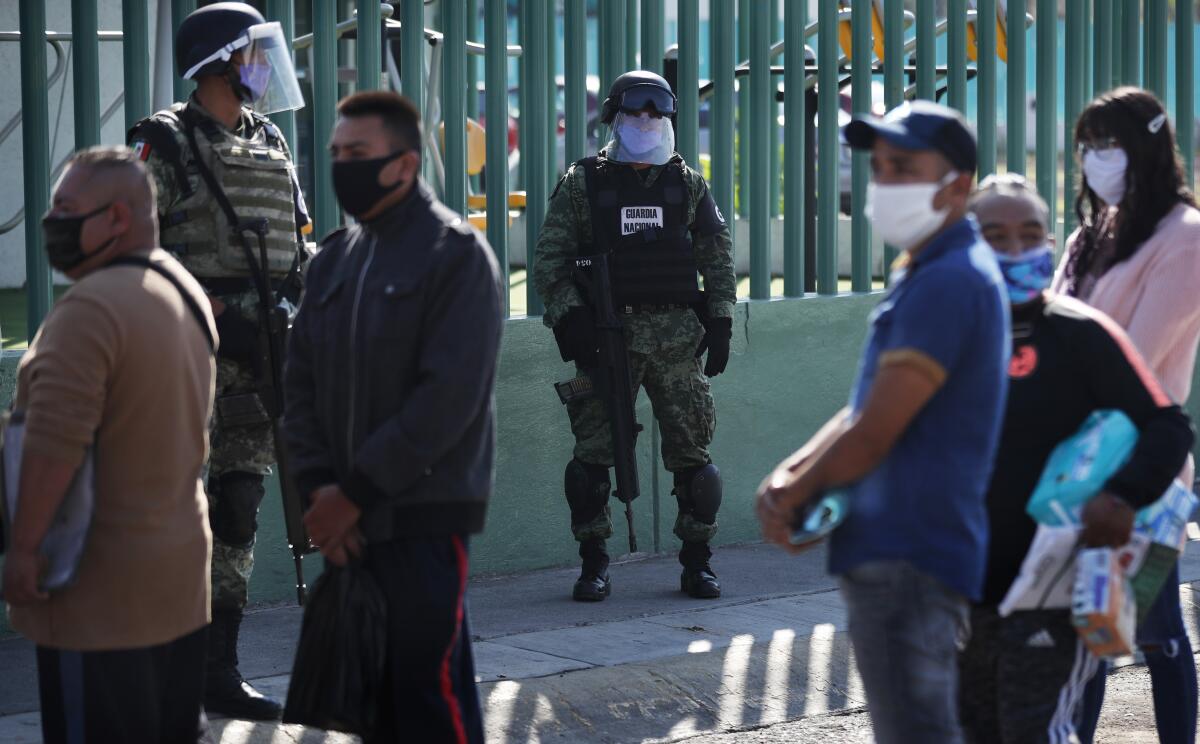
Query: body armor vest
(645, 230)
(254, 173)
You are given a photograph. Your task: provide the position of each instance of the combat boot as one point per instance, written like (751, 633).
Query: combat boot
(225, 692)
(698, 579)
(593, 584)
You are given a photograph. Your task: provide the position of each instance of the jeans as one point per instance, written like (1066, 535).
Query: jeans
(907, 629)
(1172, 671)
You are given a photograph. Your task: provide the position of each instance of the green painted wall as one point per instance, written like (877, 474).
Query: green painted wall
(792, 366)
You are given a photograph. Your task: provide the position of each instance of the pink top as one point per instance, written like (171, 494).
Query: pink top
(1155, 297)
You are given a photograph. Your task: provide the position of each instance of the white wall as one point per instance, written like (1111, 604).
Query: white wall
(61, 134)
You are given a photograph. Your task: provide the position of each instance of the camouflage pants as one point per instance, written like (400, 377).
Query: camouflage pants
(236, 449)
(683, 405)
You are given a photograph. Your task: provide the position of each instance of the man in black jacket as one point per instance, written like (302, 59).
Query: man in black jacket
(391, 368)
(1022, 676)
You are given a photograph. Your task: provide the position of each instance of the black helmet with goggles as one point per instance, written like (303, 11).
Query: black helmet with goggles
(636, 91)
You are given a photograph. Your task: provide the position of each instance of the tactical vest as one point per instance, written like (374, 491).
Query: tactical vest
(645, 229)
(254, 173)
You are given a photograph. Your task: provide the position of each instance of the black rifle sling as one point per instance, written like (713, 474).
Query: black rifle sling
(188, 300)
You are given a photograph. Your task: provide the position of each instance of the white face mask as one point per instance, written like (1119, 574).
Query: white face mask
(1105, 173)
(641, 138)
(903, 213)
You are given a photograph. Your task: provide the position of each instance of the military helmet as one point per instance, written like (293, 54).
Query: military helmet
(208, 29)
(634, 91)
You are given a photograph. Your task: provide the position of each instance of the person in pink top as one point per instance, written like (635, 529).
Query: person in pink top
(1136, 257)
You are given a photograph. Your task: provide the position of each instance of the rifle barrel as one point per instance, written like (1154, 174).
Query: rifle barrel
(632, 532)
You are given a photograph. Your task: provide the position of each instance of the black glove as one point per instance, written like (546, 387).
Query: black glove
(238, 337)
(717, 333)
(576, 337)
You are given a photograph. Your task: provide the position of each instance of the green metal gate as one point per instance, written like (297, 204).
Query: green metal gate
(774, 56)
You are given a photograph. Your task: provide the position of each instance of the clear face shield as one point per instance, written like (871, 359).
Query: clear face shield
(642, 138)
(264, 68)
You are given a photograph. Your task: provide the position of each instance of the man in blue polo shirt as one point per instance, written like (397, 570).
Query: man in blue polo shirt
(914, 448)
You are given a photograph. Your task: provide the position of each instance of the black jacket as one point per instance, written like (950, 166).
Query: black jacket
(1070, 360)
(391, 368)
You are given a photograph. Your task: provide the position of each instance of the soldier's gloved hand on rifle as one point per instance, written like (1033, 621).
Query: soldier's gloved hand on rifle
(576, 337)
(238, 337)
(717, 334)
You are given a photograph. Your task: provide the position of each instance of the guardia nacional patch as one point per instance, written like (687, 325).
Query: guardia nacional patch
(636, 219)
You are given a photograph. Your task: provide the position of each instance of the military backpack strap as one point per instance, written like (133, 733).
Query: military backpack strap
(159, 135)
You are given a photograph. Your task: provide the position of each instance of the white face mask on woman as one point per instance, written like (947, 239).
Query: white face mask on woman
(1105, 173)
(903, 213)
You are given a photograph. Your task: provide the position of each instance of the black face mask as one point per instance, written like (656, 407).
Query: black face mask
(62, 239)
(356, 183)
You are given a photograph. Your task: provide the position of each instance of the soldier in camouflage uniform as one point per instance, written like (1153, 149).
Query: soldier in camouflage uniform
(639, 202)
(242, 70)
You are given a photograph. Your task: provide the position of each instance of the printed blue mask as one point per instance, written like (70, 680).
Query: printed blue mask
(1028, 274)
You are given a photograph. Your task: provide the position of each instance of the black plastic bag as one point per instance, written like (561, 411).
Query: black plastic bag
(339, 667)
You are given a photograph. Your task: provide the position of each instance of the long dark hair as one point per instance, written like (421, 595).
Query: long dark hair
(1154, 181)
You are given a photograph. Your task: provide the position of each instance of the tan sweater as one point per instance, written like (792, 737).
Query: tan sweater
(121, 361)
(1155, 297)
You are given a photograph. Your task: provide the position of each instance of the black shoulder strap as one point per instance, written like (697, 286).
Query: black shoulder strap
(188, 300)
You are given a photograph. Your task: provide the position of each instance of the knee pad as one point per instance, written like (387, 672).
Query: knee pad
(233, 513)
(698, 491)
(587, 487)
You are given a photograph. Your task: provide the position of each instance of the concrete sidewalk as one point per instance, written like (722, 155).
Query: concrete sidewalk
(649, 664)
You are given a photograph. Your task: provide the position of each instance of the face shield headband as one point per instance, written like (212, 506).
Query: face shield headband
(265, 72)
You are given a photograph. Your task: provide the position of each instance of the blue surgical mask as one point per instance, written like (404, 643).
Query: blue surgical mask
(255, 77)
(1027, 275)
(641, 138)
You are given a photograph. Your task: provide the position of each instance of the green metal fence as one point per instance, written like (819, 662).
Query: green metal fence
(832, 59)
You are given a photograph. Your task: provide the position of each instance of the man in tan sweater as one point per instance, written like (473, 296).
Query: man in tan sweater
(123, 362)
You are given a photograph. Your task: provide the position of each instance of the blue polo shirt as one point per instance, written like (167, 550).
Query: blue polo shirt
(948, 314)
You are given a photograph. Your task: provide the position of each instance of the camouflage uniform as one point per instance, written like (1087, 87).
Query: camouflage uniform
(195, 229)
(662, 344)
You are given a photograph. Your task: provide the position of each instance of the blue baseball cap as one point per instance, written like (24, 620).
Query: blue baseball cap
(918, 125)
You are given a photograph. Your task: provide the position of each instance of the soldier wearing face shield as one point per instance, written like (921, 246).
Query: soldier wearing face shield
(218, 162)
(639, 203)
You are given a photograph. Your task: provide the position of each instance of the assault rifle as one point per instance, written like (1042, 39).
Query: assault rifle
(274, 321)
(610, 380)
